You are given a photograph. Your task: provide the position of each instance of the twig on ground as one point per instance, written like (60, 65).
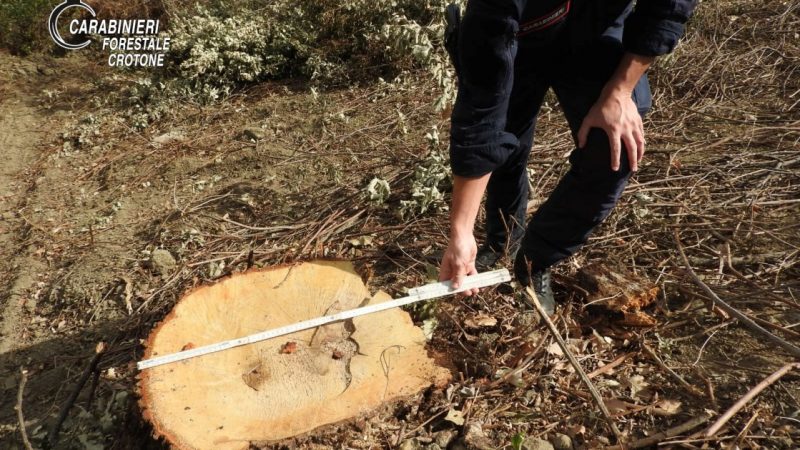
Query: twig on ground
(766, 382)
(775, 296)
(21, 417)
(746, 321)
(742, 434)
(689, 387)
(52, 437)
(522, 365)
(769, 324)
(601, 370)
(595, 395)
(670, 433)
(709, 386)
(430, 419)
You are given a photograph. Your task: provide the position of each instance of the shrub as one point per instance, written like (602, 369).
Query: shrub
(23, 24)
(431, 177)
(213, 54)
(214, 50)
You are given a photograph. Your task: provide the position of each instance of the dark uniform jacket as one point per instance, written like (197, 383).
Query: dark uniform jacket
(563, 27)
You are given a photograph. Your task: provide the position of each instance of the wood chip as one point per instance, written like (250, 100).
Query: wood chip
(288, 348)
(481, 321)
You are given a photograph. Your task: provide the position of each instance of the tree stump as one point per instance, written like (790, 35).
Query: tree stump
(285, 386)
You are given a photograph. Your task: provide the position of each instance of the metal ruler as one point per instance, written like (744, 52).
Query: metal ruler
(426, 292)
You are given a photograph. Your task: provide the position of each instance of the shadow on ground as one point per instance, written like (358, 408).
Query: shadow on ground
(104, 414)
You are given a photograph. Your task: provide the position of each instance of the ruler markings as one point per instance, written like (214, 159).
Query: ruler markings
(426, 292)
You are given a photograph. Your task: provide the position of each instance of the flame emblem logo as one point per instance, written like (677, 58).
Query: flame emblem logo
(53, 23)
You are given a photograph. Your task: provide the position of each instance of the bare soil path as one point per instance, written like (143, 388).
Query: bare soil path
(21, 133)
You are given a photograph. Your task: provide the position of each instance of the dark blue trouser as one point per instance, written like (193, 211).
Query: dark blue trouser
(502, 85)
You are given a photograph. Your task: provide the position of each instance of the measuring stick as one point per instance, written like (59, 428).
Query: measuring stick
(417, 294)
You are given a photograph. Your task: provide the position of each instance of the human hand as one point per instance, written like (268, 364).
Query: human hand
(459, 261)
(617, 115)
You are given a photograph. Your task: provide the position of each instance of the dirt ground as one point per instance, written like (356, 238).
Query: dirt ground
(21, 136)
(104, 225)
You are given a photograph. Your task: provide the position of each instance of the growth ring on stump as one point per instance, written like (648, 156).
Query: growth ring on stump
(285, 386)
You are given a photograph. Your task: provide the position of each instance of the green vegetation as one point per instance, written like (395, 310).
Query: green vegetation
(23, 24)
(332, 42)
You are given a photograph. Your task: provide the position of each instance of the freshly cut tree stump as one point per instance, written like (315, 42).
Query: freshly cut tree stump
(619, 291)
(285, 386)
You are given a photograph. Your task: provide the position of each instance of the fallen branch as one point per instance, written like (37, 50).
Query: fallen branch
(667, 434)
(602, 370)
(775, 296)
(20, 416)
(578, 369)
(691, 388)
(740, 260)
(52, 438)
(742, 434)
(712, 430)
(430, 419)
(521, 364)
(769, 324)
(746, 321)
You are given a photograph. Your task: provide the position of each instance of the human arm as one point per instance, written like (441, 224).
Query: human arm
(616, 113)
(459, 257)
(652, 29)
(655, 26)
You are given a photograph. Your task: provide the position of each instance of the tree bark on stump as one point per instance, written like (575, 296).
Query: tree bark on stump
(285, 386)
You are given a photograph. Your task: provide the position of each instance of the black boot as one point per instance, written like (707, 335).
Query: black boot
(488, 257)
(539, 280)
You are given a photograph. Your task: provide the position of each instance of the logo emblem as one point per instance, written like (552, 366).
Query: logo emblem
(53, 23)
